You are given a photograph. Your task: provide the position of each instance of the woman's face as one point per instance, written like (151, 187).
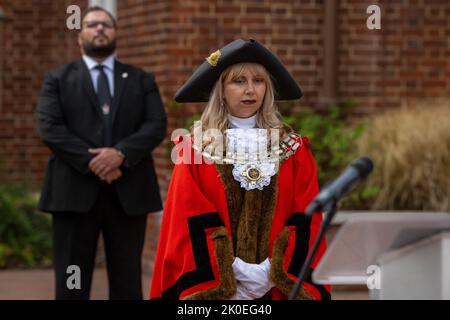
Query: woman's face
(244, 94)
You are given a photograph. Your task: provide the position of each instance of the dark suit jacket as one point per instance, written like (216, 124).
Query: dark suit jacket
(69, 123)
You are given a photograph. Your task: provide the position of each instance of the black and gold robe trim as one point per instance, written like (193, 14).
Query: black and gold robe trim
(204, 272)
(277, 273)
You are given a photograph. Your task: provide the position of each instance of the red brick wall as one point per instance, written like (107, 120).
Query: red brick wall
(35, 39)
(408, 59)
(405, 60)
(204, 26)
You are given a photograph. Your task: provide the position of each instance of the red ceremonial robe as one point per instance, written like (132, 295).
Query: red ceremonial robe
(199, 237)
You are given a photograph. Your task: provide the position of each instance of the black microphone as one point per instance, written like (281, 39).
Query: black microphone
(357, 171)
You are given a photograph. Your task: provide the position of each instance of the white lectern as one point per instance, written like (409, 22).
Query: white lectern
(409, 252)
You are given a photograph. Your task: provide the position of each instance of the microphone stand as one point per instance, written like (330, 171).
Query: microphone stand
(304, 272)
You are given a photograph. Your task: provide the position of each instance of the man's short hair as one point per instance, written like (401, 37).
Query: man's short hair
(98, 8)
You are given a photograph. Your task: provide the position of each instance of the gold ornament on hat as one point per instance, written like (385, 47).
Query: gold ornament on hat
(214, 58)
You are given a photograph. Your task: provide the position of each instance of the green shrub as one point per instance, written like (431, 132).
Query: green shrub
(332, 137)
(25, 233)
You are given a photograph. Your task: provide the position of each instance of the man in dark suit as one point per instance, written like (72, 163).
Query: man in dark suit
(101, 119)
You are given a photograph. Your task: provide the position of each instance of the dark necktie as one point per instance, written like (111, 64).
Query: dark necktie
(104, 100)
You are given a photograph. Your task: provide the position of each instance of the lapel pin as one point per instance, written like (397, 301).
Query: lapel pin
(124, 75)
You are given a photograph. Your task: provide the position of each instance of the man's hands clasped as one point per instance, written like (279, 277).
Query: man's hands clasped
(106, 164)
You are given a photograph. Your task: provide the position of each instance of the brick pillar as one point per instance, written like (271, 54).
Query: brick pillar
(3, 126)
(331, 38)
(2, 16)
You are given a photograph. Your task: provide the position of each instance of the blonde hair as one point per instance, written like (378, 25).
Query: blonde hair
(215, 115)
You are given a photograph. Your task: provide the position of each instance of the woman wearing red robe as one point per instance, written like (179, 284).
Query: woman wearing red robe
(234, 225)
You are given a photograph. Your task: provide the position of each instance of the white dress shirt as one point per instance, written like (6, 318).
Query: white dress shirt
(108, 66)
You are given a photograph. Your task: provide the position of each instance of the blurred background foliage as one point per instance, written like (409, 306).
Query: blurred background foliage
(410, 147)
(333, 133)
(25, 233)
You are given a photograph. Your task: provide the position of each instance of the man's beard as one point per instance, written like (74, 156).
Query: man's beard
(101, 51)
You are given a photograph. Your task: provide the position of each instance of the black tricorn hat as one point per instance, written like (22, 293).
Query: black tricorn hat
(198, 87)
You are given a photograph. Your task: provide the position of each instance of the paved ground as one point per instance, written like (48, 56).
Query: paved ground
(38, 285)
